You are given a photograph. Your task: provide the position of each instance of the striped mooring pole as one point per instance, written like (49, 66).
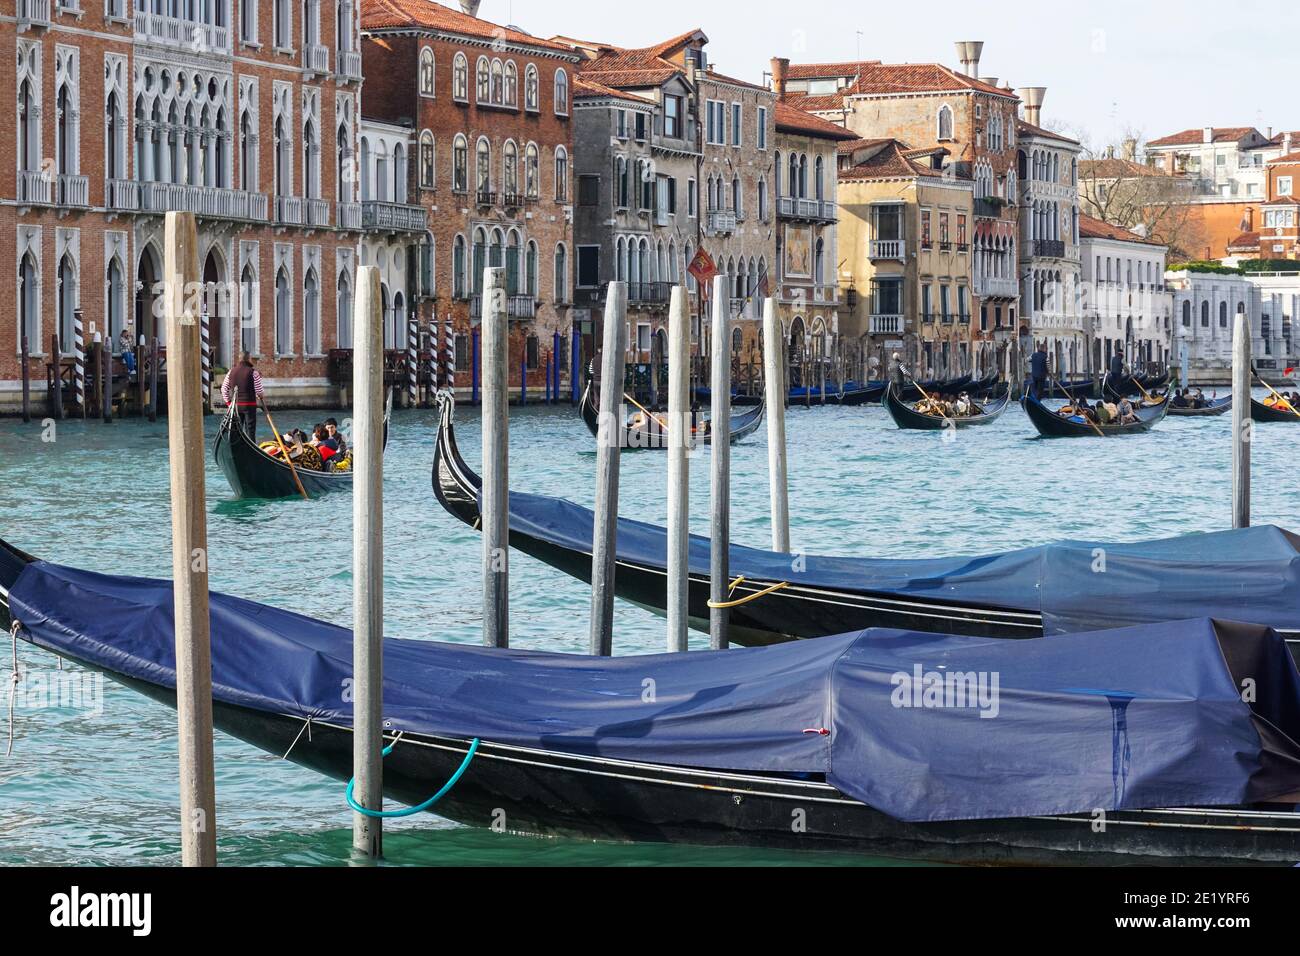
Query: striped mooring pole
(412, 360)
(79, 355)
(449, 357)
(205, 360)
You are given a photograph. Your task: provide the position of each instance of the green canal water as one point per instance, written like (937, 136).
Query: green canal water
(99, 788)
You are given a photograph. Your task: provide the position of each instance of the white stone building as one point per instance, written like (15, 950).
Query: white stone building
(1124, 299)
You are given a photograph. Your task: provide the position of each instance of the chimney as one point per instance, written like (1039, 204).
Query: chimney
(1286, 144)
(780, 68)
(1207, 135)
(968, 52)
(470, 6)
(1130, 149)
(1032, 97)
(1270, 132)
(990, 80)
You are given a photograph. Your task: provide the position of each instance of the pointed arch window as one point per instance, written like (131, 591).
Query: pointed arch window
(944, 122)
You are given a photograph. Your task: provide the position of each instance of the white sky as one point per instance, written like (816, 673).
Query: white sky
(1108, 65)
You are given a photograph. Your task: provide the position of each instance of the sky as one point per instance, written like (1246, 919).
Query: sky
(1108, 66)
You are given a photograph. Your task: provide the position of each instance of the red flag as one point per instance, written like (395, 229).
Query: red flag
(702, 267)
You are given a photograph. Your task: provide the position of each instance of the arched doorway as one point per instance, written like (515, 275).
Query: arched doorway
(216, 303)
(29, 302)
(67, 303)
(114, 304)
(146, 295)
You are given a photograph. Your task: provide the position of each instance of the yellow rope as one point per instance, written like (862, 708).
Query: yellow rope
(751, 597)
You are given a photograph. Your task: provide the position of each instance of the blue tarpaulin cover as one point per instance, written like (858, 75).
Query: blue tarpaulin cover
(920, 726)
(1248, 573)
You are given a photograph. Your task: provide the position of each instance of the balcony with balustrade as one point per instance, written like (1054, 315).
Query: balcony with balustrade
(889, 249)
(121, 195)
(180, 33)
(347, 65)
(721, 222)
(393, 217)
(211, 202)
(33, 14)
(71, 190)
(289, 211)
(317, 213)
(316, 59)
(648, 293)
(886, 325)
(517, 307)
(349, 215)
(33, 187)
(805, 210)
(992, 287)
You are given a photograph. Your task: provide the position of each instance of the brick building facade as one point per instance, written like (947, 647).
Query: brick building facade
(238, 112)
(489, 111)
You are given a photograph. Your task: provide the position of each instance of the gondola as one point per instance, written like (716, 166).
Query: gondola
(1264, 413)
(1052, 425)
(253, 473)
(984, 386)
(1019, 594)
(652, 434)
(1216, 406)
(1135, 386)
(1071, 390)
(905, 416)
(951, 386)
(738, 742)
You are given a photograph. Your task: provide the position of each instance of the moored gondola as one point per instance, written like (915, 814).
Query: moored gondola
(1215, 406)
(569, 745)
(1017, 594)
(651, 430)
(253, 473)
(1050, 424)
(905, 416)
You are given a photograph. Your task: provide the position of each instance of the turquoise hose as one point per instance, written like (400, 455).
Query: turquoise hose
(408, 811)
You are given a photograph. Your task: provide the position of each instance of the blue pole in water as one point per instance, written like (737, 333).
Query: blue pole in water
(575, 340)
(523, 375)
(474, 371)
(556, 345)
(551, 363)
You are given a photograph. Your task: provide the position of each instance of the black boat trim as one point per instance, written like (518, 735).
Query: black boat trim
(743, 425)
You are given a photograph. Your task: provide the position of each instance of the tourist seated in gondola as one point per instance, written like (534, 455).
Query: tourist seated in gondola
(1107, 413)
(325, 447)
(962, 407)
(1180, 400)
(1281, 402)
(1127, 414)
(341, 443)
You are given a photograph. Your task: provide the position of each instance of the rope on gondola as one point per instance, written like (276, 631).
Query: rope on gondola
(749, 597)
(409, 811)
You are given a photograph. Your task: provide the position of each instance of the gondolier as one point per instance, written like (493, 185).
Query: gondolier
(1038, 370)
(245, 383)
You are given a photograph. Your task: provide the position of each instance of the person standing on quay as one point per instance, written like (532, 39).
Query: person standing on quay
(1038, 370)
(246, 383)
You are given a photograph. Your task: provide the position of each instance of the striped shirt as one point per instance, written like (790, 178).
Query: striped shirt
(227, 386)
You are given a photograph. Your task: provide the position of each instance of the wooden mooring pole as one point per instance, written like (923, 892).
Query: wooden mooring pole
(679, 468)
(25, 354)
(56, 394)
(605, 524)
(189, 546)
(494, 497)
(106, 378)
(368, 562)
(720, 452)
(155, 356)
(1241, 421)
(772, 383)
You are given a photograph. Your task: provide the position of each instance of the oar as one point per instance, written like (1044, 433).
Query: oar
(1100, 433)
(284, 452)
(1279, 395)
(649, 414)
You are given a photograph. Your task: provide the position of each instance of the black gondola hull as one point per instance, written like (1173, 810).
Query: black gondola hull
(909, 418)
(1215, 407)
(1262, 413)
(654, 436)
(1052, 425)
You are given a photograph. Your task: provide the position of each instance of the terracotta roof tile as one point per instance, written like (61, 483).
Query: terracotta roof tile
(1286, 160)
(1032, 130)
(583, 85)
(809, 71)
(1190, 137)
(1092, 228)
(393, 14)
(1247, 240)
(791, 119)
(891, 162)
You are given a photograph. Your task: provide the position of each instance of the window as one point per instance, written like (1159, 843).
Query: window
(483, 84)
(715, 122)
(561, 93)
(281, 14)
(762, 200)
(483, 167)
(762, 127)
(620, 182)
(532, 171)
(620, 124)
(458, 285)
(460, 165)
(426, 72)
(1284, 185)
(588, 267)
(588, 189)
(640, 127)
(561, 174)
(736, 123)
(925, 229)
(311, 315)
(343, 302)
(961, 230)
(561, 277)
(943, 230)
(283, 315)
(512, 84)
(510, 168)
(692, 198)
(945, 122)
(673, 117)
(460, 78)
(426, 160)
(531, 89)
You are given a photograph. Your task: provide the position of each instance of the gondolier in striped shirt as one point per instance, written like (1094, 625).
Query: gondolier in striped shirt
(245, 383)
